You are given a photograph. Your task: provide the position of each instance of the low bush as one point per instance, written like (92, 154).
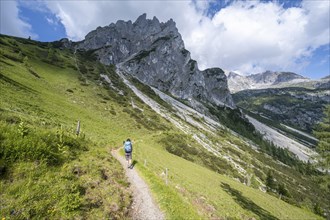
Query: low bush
(21, 143)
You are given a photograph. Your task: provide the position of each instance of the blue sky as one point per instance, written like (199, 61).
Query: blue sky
(243, 36)
(44, 24)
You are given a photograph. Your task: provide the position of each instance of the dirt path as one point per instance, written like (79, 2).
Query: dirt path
(143, 207)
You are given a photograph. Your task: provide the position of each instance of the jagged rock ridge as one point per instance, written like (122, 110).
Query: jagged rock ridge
(154, 53)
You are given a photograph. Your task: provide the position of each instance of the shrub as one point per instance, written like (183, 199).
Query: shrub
(20, 143)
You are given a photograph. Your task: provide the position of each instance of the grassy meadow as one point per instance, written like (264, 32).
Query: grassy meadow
(47, 171)
(213, 195)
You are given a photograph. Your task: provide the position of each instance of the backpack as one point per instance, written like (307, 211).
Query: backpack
(128, 147)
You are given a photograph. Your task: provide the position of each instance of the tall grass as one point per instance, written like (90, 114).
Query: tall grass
(46, 170)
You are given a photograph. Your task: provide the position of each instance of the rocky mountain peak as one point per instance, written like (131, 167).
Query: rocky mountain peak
(154, 52)
(142, 19)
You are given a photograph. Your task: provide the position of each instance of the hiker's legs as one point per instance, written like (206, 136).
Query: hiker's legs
(129, 159)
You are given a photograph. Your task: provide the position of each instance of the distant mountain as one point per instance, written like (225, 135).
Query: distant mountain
(324, 83)
(282, 97)
(275, 78)
(268, 79)
(325, 78)
(296, 107)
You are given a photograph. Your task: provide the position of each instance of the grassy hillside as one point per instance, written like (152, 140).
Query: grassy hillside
(48, 171)
(214, 195)
(45, 169)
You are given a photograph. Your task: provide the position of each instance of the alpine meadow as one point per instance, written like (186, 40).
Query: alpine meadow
(194, 143)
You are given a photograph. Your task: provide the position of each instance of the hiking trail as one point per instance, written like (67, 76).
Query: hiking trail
(143, 206)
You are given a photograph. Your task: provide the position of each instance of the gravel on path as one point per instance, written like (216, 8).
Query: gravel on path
(143, 207)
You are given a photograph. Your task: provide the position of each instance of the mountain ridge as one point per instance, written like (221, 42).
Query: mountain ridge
(154, 53)
(272, 79)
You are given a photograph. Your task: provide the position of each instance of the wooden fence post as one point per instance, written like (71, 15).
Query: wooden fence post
(78, 128)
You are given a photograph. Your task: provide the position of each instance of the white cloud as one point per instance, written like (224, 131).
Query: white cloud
(254, 36)
(81, 17)
(11, 23)
(249, 36)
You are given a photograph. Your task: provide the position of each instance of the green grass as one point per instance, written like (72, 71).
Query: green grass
(176, 206)
(84, 180)
(57, 182)
(212, 194)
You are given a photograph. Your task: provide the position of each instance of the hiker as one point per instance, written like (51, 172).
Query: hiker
(128, 152)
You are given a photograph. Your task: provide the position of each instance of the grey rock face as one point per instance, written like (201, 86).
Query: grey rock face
(154, 53)
(217, 84)
(66, 43)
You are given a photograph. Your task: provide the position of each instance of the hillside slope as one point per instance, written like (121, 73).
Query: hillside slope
(299, 108)
(47, 171)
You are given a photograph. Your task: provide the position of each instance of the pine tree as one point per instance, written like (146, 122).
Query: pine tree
(270, 181)
(282, 190)
(322, 132)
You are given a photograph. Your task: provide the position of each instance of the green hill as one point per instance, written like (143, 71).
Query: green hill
(47, 171)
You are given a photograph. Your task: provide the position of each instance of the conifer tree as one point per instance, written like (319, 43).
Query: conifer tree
(270, 181)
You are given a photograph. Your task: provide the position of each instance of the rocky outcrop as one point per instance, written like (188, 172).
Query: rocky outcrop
(154, 53)
(66, 43)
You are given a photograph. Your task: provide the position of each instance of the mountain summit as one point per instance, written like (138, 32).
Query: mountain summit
(154, 52)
